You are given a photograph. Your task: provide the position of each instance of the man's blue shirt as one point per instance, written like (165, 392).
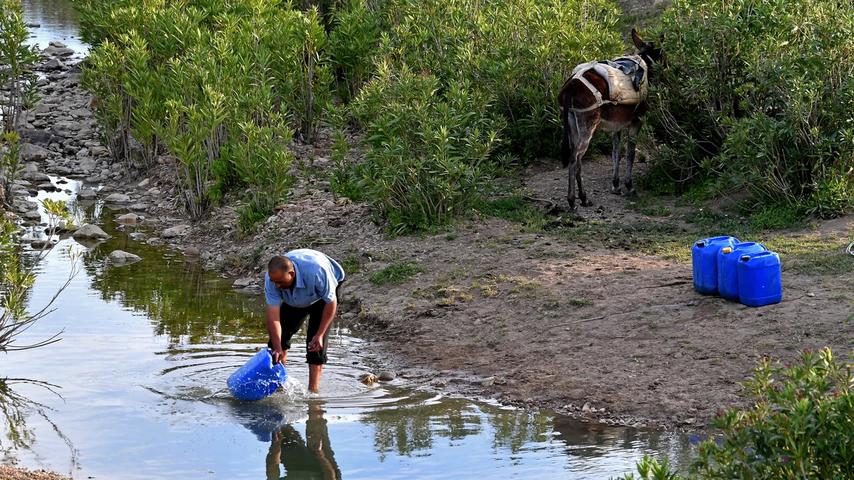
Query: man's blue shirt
(317, 276)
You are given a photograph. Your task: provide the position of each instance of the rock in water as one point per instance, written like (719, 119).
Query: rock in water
(119, 257)
(368, 378)
(128, 219)
(387, 376)
(117, 198)
(90, 231)
(176, 231)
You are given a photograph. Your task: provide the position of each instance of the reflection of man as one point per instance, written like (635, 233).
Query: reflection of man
(312, 459)
(302, 283)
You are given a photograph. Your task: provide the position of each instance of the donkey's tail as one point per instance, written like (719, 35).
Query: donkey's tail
(566, 145)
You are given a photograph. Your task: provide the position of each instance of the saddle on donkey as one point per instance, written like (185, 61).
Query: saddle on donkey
(626, 78)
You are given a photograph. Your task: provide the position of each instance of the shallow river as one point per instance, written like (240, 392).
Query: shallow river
(136, 386)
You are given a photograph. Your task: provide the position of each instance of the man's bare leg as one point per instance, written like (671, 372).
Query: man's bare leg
(314, 373)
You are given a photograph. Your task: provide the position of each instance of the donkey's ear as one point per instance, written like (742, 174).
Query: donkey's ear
(638, 41)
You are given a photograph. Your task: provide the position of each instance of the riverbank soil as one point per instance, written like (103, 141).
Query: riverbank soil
(10, 473)
(593, 314)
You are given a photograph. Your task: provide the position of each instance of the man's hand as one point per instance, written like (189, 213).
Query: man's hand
(316, 344)
(279, 356)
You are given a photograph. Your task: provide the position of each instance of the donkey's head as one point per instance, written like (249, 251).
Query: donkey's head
(650, 53)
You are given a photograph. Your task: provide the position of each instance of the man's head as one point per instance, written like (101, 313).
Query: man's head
(281, 271)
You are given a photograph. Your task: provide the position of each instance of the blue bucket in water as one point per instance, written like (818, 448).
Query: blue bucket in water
(257, 378)
(727, 263)
(704, 262)
(759, 279)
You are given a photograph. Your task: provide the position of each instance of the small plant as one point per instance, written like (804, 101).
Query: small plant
(352, 264)
(10, 163)
(651, 469)
(396, 273)
(17, 59)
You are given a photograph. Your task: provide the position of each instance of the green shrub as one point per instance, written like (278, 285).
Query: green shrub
(759, 95)
(10, 164)
(799, 426)
(353, 42)
(455, 86)
(427, 154)
(17, 79)
(516, 52)
(222, 86)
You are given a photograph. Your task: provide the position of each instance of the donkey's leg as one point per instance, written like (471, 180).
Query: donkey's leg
(615, 158)
(585, 135)
(631, 147)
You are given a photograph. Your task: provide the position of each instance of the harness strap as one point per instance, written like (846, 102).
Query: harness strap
(596, 93)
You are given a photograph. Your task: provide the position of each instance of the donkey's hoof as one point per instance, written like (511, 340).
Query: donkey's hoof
(586, 203)
(631, 192)
(616, 191)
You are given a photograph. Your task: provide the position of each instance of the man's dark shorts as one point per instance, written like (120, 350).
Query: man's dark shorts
(292, 319)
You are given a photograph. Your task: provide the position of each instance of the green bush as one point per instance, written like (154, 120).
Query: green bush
(353, 42)
(801, 425)
(517, 53)
(759, 95)
(10, 164)
(426, 154)
(17, 79)
(222, 86)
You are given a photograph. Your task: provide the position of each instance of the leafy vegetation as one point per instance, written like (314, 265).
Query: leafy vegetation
(395, 273)
(758, 95)
(10, 163)
(799, 426)
(223, 86)
(17, 59)
(456, 88)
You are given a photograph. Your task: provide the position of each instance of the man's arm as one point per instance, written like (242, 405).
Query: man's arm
(329, 310)
(274, 328)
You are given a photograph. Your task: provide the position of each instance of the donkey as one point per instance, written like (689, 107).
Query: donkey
(587, 102)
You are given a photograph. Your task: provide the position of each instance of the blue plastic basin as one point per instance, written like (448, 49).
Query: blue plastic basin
(257, 378)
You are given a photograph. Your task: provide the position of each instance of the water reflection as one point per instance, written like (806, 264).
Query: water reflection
(173, 291)
(309, 458)
(53, 20)
(17, 409)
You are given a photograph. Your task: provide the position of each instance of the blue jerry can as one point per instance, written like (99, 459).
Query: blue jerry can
(257, 378)
(704, 259)
(759, 279)
(727, 263)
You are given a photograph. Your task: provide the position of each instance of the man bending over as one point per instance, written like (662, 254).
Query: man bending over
(299, 284)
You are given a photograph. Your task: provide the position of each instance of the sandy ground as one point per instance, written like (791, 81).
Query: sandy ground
(13, 473)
